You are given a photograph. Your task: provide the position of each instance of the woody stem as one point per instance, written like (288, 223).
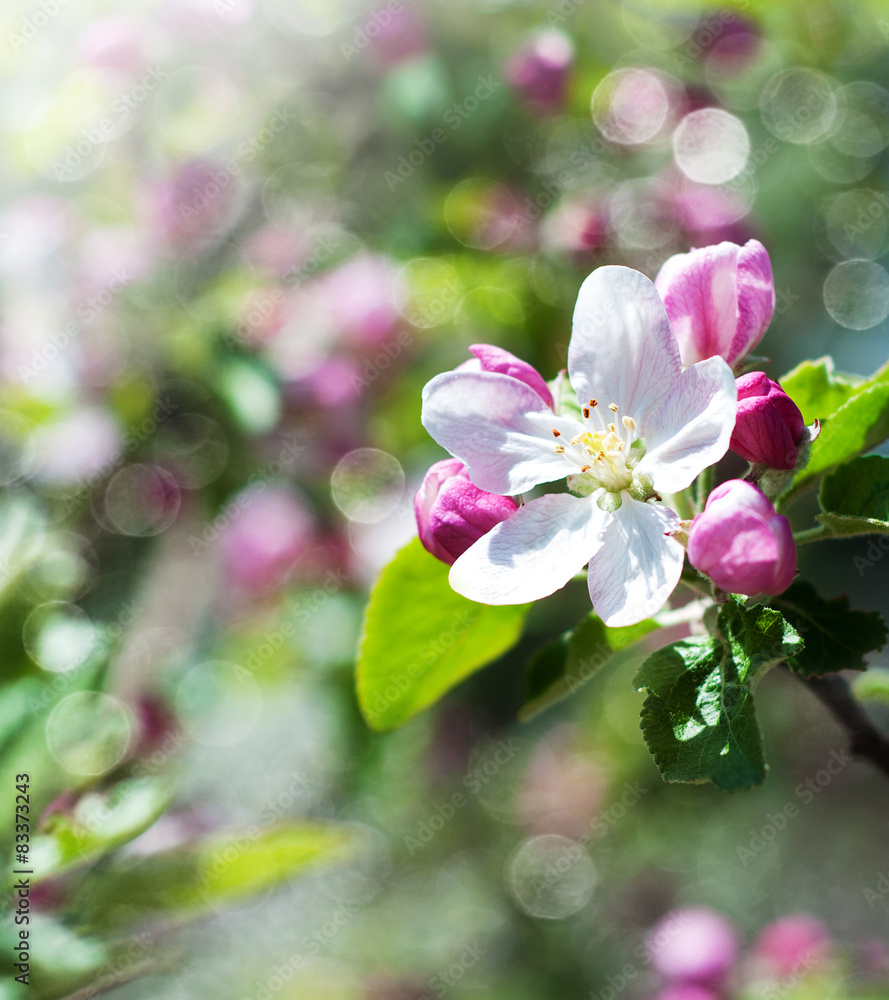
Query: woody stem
(865, 739)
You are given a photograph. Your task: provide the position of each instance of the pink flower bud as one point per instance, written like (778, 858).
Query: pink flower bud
(694, 945)
(540, 71)
(453, 513)
(793, 944)
(720, 299)
(769, 425)
(741, 543)
(495, 359)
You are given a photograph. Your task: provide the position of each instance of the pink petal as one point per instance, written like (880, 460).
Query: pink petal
(495, 359)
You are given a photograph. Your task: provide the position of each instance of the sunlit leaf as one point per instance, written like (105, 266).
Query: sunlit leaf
(421, 638)
(698, 718)
(855, 498)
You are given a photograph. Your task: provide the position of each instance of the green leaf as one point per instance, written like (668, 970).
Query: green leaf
(562, 666)
(855, 498)
(836, 636)
(758, 637)
(817, 389)
(188, 881)
(859, 424)
(98, 824)
(420, 638)
(698, 718)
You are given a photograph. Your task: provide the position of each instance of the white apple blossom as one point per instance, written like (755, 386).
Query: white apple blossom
(644, 427)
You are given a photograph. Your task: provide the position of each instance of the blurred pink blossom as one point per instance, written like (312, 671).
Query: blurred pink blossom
(793, 944)
(194, 202)
(694, 945)
(540, 71)
(270, 529)
(115, 43)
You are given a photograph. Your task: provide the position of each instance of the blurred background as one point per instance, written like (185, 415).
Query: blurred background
(236, 239)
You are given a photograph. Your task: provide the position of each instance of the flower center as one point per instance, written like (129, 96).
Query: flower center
(603, 455)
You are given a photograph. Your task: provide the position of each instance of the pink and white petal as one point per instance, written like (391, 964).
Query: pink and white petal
(756, 299)
(495, 359)
(499, 427)
(532, 554)
(622, 349)
(638, 566)
(700, 293)
(692, 428)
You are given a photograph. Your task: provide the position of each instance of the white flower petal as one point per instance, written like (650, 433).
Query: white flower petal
(498, 427)
(693, 426)
(622, 349)
(533, 553)
(638, 566)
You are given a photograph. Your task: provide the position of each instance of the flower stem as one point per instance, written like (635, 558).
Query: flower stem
(703, 487)
(683, 505)
(813, 534)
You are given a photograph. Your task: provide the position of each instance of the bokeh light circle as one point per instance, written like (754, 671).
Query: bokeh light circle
(218, 702)
(194, 447)
(59, 636)
(196, 108)
(367, 485)
(799, 105)
(481, 215)
(59, 143)
(836, 165)
(630, 106)
(551, 876)
(89, 732)
(428, 292)
(864, 130)
(856, 294)
(711, 146)
(855, 224)
(141, 500)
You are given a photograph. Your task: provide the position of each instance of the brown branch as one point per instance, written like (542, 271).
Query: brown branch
(865, 739)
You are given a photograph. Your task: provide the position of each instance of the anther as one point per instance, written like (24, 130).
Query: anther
(585, 468)
(560, 449)
(612, 428)
(557, 434)
(612, 407)
(594, 402)
(629, 423)
(586, 413)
